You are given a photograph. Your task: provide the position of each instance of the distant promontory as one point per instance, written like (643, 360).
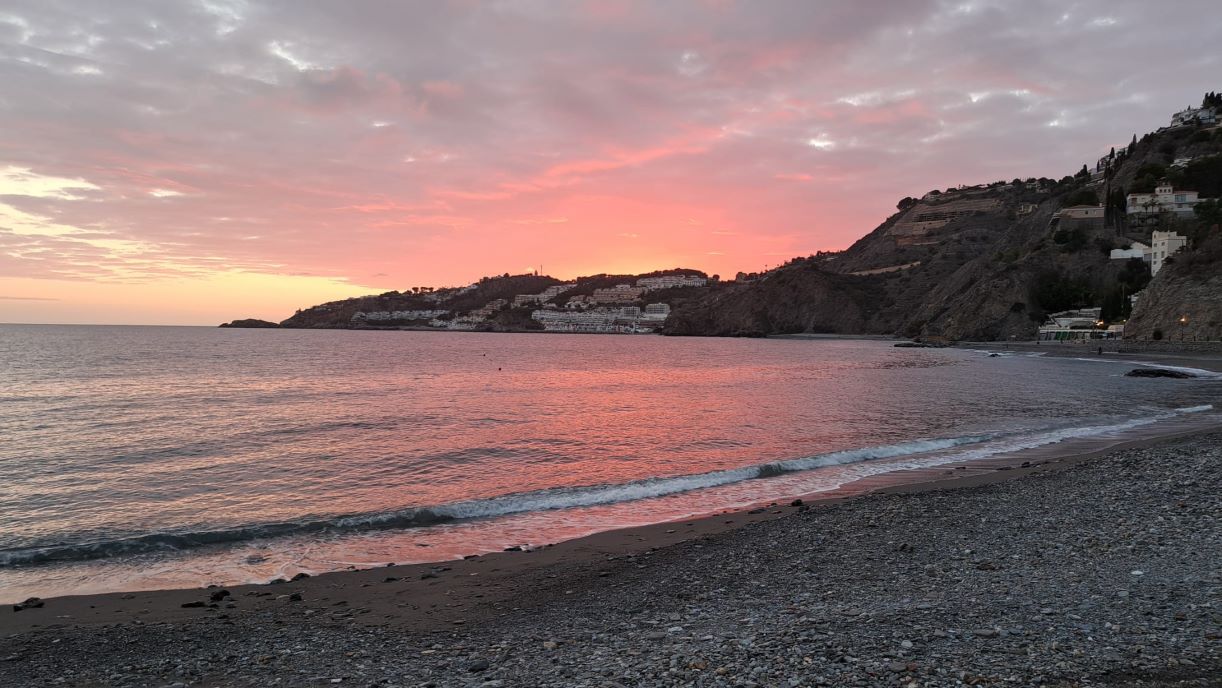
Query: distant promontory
(250, 323)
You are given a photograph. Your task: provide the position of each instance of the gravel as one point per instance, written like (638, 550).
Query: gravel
(1106, 573)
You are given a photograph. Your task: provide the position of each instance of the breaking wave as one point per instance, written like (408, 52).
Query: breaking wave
(947, 450)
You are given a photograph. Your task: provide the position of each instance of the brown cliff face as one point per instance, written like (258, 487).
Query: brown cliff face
(800, 297)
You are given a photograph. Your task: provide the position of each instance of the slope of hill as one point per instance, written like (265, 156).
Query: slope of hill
(981, 263)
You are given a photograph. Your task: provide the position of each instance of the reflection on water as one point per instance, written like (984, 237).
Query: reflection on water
(313, 449)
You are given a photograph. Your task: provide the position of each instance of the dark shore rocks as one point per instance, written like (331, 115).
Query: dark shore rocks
(919, 345)
(31, 603)
(250, 323)
(1159, 372)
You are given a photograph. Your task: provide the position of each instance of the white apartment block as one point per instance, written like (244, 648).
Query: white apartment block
(621, 293)
(398, 315)
(1162, 245)
(670, 281)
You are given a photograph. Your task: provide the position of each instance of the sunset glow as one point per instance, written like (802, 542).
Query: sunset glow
(193, 162)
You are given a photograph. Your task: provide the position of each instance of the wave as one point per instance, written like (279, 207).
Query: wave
(957, 449)
(542, 500)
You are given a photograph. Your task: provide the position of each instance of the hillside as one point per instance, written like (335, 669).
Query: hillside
(988, 262)
(489, 300)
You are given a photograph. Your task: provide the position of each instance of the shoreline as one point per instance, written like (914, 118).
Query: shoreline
(1111, 352)
(501, 571)
(1081, 568)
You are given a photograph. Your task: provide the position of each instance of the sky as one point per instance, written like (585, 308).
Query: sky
(195, 161)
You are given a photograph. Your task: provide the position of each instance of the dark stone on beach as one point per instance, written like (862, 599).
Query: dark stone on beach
(219, 595)
(471, 556)
(515, 548)
(1159, 372)
(427, 575)
(389, 579)
(295, 597)
(301, 576)
(756, 511)
(31, 603)
(796, 502)
(196, 603)
(986, 566)
(986, 633)
(478, 665)
(276, 581)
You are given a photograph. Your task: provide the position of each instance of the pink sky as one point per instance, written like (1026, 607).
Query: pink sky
(196, 161)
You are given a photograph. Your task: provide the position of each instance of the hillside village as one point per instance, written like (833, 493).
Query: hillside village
(1126, 247)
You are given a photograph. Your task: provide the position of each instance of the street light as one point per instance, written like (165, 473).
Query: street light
(1183, 325)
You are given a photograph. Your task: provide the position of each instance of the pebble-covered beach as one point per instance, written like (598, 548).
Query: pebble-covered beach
(1106, 572)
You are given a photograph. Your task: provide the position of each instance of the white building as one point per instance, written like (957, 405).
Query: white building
(670, 281)
(398, 315)
(1073, 325)
(1194, 115)
(1135, 250)
(1081, 212)
(1163, 245)
(621, 293)
(657, 311)
(1165, 199)
(628, 320)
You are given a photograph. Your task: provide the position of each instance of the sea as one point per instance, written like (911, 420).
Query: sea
(167, 457)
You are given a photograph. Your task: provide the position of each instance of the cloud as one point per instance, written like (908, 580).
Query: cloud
(434, 142)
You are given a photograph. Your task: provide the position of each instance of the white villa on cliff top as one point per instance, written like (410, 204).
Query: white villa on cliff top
(1165, 199)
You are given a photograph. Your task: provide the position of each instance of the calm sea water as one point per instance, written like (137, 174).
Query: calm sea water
(142, 457)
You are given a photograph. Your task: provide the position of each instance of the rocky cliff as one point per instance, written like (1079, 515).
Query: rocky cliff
(1184, 300)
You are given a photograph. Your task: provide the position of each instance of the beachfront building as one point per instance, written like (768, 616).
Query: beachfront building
(625, 320)
(1145, 208)
(1162, 245)
(671, 281)
(377, 316)
(461, 322)
(1076, 325)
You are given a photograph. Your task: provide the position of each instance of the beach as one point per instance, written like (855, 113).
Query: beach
(1098, 569)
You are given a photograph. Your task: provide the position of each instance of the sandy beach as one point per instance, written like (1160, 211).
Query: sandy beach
(1093, 569)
